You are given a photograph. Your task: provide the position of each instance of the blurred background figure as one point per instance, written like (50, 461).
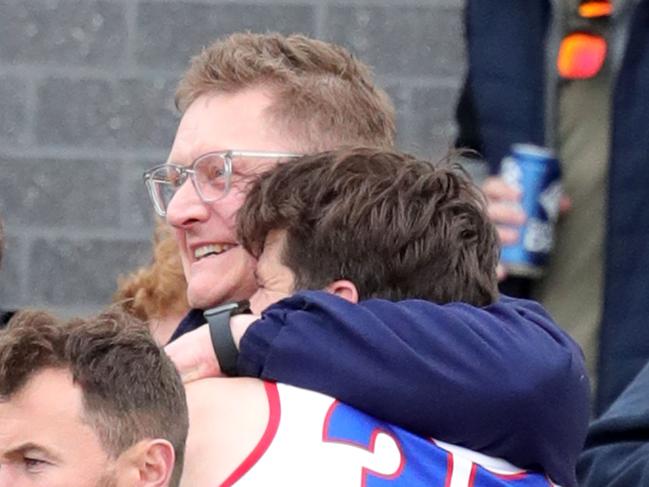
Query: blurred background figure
(570, 75)
(156, 293)
(616, 453)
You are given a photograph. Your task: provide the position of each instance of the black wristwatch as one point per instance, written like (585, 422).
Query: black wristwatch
(218, 320)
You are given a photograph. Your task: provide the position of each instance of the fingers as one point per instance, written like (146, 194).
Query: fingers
(507, 235)
(506, 213)
(501, 272)
(565, 204)
(199, 371)
(193, 355)
(190, 375)
(504, 209)
(495, 188)
(175, 352)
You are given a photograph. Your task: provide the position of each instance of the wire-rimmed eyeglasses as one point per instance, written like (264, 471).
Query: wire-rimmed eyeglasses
(211, 175)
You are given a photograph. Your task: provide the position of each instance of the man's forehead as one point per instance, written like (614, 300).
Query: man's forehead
(227, 121)
(37, 414)
(50, 392)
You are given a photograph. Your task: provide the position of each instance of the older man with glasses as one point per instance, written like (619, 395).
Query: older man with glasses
(250, 101)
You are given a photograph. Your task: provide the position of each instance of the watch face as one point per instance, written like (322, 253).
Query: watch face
(232, 308)
(243, 306)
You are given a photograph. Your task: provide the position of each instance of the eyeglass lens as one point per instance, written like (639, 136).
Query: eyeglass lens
(209, 176)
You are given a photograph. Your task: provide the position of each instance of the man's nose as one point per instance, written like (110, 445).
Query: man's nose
(186, 206)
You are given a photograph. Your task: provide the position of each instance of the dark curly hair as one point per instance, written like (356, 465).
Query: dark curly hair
(395, 226)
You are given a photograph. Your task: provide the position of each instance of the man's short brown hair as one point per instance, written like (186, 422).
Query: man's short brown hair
(395, 226)
(131, 390)
(323, 97)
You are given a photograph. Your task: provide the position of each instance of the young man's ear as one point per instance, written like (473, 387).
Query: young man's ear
(149, 463)
(344, 289)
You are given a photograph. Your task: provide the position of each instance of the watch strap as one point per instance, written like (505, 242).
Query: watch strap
(218, 320)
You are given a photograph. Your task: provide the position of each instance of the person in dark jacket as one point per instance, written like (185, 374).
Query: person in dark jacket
(250, 101)
(524, 86)
(617, 447)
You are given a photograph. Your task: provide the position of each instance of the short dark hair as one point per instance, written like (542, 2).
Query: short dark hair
(130, 388)
(395, 226)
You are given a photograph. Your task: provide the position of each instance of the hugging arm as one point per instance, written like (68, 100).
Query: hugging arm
(502, 379)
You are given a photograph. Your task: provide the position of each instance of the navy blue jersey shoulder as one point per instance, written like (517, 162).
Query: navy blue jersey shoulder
(502, 379)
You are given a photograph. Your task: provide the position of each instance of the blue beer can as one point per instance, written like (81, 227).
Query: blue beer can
(535, 170)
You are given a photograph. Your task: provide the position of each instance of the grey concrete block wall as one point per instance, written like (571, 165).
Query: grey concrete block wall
(86, 104)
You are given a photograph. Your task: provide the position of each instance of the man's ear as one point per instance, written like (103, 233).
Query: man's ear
(149, 463)
(344, 289)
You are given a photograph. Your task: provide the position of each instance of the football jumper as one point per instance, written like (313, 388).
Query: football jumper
(314, 440)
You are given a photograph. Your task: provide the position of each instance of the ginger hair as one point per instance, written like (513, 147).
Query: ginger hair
(323, 97)
(158, 289)
(397, 227)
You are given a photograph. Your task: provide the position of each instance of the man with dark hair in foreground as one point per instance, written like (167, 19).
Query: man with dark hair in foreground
(358, 224)
(92, 403)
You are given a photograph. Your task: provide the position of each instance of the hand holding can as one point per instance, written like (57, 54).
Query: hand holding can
(503, 207)
(536, 172)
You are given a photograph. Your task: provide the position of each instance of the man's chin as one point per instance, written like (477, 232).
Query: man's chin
(216, 280)
(205, 296)
(201, 299)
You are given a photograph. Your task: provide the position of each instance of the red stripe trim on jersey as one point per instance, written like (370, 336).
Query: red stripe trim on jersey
(449, 469)
(508, 476)
(274, 415)
(474, 470)
(325, 425)
(504, 476)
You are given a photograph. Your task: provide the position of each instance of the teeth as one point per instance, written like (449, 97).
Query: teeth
(215, 249)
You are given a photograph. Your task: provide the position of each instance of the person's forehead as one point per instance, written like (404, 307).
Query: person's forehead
(227, 121)
(47, 412)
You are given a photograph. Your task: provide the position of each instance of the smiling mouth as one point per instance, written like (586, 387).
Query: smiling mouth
(211, 249)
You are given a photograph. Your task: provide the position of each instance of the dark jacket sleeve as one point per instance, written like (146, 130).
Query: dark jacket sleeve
(617, 446)
(502, 379)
